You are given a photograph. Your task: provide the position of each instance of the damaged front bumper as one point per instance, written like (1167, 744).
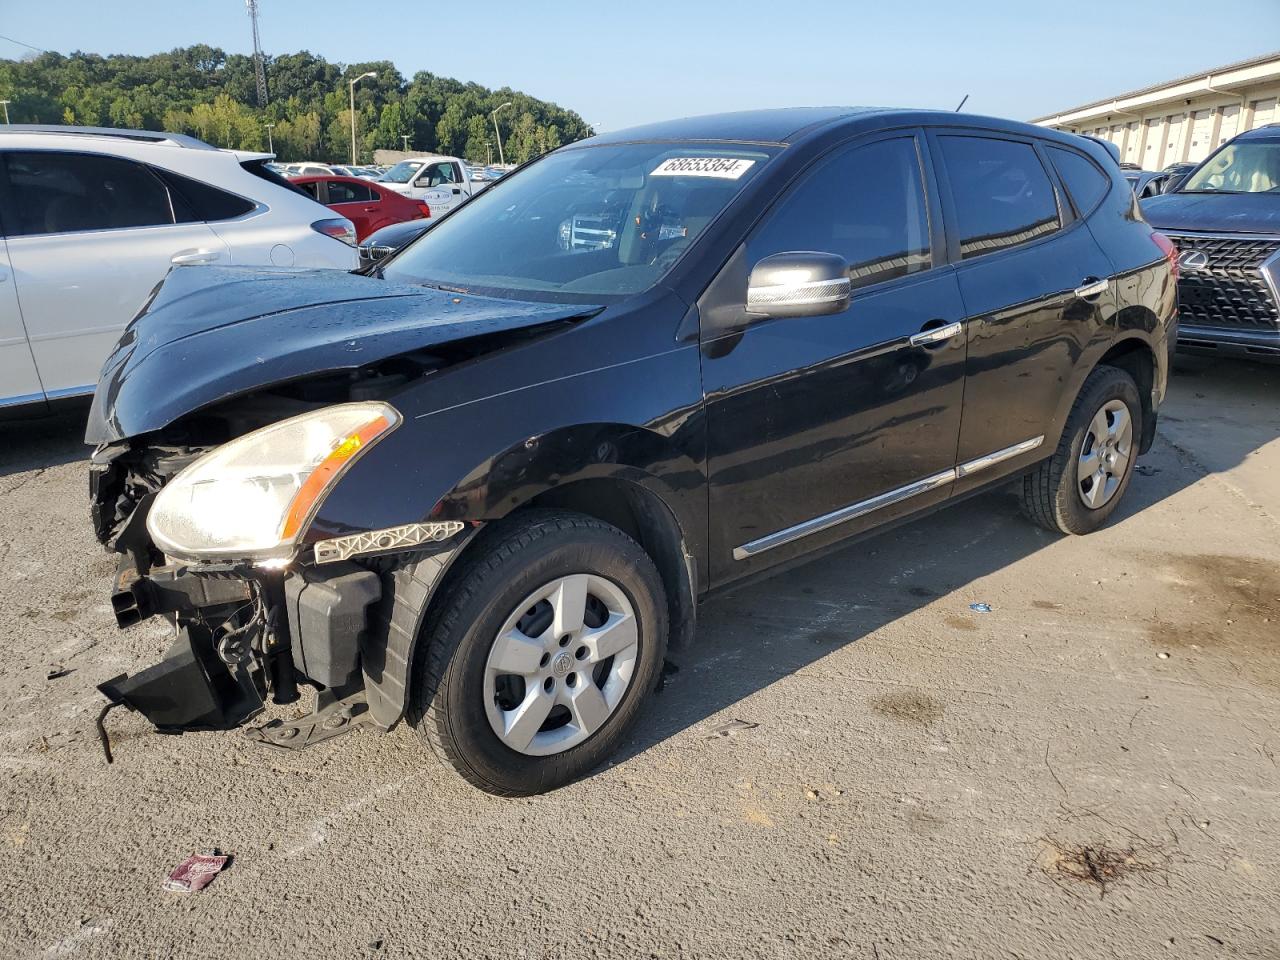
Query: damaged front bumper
(244, 635)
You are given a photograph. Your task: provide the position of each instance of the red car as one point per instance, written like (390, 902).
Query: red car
(366, 204)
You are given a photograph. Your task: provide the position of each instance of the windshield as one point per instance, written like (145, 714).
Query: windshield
(403, 171)
(585, 222)
(1250, 166)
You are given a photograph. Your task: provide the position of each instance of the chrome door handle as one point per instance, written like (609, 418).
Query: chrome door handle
(1092, 288)
(193, 256)
(936, 335)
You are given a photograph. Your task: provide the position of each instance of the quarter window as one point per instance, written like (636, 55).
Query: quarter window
(342, 192)
(196, 201)
(1002, 195)
(1085, 182)
(866, 204)
(68, 192)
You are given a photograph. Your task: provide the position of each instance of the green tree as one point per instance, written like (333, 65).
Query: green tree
(204, 91)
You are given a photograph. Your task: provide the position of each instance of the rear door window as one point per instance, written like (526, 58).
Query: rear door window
(1000, 191)
(343, 192)
(1084, 181)
(57, 192)
(867, 204)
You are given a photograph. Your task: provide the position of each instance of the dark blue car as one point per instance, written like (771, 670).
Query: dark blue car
(1225, 220)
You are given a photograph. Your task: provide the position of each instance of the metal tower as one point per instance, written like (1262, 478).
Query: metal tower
(259, 64)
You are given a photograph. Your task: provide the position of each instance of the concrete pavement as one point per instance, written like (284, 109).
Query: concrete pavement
(849, 762)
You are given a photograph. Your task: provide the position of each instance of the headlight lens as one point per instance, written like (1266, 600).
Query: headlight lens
(252, 497)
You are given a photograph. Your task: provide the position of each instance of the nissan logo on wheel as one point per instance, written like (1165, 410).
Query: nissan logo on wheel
(1193, 260)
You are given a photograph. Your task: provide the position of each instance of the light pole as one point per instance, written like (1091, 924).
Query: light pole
(352, 87)
(406, 138)
(271, 147)
(501, 159)
(6, 109)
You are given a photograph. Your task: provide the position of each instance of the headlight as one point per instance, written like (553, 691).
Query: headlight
(252, 497)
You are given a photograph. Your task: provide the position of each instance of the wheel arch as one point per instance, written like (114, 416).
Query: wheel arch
(604, 480)
(1137, 358)
(1133, 352)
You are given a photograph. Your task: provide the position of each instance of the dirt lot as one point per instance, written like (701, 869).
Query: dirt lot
(849, 762)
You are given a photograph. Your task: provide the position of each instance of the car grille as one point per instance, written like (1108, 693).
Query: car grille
(1231, 290)
(369, 251)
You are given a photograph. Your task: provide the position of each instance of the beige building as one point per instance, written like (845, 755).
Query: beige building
(1183, 119)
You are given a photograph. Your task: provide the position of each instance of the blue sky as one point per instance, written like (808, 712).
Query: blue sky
(620, 64)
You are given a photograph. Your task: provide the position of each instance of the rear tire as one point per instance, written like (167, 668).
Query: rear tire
(1078, 488)
(511, 687)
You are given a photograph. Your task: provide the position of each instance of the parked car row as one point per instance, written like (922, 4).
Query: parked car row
(481, 485)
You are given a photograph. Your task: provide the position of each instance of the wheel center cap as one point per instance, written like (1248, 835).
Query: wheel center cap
(561, 665)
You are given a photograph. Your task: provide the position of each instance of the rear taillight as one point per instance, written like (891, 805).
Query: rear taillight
(423, 210)
(338, 228)
(1169, 250)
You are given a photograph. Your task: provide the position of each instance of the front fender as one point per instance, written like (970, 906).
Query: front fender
(640, 421)
(490, 492)
(480, 460)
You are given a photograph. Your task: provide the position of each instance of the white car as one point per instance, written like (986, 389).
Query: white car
(308, 170)
(441, 182)
(94, 218)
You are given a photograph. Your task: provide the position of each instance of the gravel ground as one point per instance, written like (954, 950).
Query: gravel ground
(849, 761)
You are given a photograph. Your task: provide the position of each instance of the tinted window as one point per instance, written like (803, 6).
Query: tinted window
(66, 192)
(866, 204)
(193, 200)
(340, 192)
(1002, 194)
(311, 189)
(1085, 182)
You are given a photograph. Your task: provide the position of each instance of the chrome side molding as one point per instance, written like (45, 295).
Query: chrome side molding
(879, 502)
(828, 520)
(970, 467)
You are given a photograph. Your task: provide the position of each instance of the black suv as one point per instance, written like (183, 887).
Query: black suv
(482, 487)
(1224, 219)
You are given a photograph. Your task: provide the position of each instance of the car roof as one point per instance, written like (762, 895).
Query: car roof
(1269, 132)
(117, 135)
(789, 125)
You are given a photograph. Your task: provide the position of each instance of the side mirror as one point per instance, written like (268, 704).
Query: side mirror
(802, 284)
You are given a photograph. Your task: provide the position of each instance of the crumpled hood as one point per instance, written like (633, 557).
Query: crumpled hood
(211, 333)
(1214, 213)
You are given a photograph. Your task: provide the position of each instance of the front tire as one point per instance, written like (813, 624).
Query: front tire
(1078, 488)
(536, 662)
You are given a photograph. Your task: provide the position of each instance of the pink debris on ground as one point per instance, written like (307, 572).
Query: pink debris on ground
(195, 873)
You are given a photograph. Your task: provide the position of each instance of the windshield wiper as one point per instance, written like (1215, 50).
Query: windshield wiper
(440, 286)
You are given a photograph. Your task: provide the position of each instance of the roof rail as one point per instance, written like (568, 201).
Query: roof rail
(142, 136)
